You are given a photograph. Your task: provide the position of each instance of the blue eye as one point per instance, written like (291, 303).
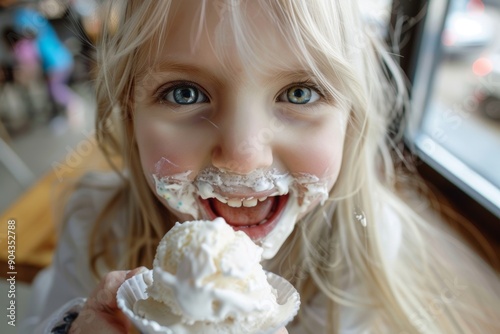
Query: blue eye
(184, 94)
(299, 95)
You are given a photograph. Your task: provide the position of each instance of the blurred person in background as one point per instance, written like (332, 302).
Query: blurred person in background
(56, 60)
(14, 109)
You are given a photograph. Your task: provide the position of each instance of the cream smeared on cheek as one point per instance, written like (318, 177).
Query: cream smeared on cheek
(181, 192)
(304, 190)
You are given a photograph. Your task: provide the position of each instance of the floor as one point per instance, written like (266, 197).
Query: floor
(39, 147)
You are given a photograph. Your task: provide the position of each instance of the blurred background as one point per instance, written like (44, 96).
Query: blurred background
(46, 107)
(46, 93)
(450, 52)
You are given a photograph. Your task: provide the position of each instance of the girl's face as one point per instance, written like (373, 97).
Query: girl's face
(258, 146)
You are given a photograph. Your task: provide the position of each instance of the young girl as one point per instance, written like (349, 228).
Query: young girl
(273, 115)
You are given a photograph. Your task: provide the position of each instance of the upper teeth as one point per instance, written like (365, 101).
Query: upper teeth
(238, 202)
(250, 202)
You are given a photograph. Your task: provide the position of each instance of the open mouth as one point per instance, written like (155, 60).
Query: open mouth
(256, 217)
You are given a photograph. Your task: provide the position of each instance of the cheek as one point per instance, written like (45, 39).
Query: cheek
(318, 152)
(321, 160)
(167, 149)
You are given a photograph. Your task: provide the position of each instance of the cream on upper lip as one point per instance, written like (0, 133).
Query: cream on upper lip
(213, 182)
(259, 187)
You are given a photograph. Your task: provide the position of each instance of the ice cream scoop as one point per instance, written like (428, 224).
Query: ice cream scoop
(207, 278)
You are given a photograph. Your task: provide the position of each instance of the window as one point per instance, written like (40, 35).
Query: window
(455, 123)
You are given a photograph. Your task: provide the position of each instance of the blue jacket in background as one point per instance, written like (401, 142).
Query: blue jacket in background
(53, 53)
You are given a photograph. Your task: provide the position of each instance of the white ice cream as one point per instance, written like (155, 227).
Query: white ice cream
(208, 278)
(180, 191)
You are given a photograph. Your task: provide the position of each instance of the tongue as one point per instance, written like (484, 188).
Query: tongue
(244, 216)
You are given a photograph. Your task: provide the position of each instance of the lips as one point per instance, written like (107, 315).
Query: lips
(255, 219)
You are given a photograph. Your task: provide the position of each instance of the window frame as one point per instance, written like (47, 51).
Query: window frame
(423, 54)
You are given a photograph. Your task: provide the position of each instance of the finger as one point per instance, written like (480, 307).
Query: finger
(282, 331)
(136, 271)
(104, 297)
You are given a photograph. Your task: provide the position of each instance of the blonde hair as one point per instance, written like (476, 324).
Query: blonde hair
(340, 243)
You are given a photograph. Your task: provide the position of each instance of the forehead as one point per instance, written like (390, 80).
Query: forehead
(233, 37)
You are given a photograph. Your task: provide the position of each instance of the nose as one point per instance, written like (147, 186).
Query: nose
(244, 142)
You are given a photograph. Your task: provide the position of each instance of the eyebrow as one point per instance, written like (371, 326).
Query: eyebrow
(294, 75)
(172, 66)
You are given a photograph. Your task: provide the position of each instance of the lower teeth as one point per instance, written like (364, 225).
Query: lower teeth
(255, 225)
